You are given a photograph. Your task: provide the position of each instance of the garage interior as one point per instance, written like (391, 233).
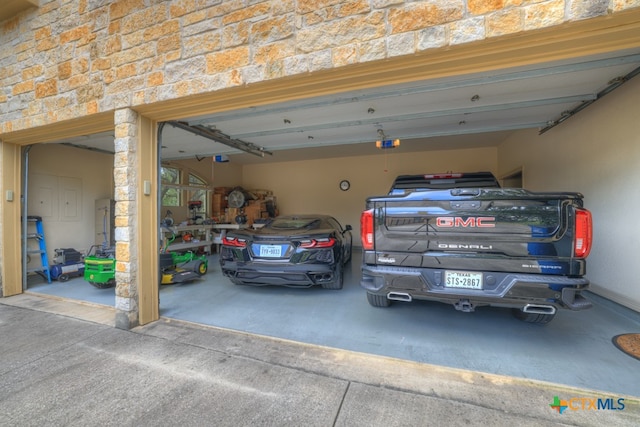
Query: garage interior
(299, 151)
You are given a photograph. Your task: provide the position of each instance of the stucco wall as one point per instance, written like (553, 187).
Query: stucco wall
(72, 58)
(309, 186)
(312, 186)
(596, 152)
(94, 172)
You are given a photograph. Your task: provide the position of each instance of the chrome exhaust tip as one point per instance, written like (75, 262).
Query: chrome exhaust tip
(539, 309)
(399, 296)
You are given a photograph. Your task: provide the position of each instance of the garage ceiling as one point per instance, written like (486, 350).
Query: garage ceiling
(429, 115)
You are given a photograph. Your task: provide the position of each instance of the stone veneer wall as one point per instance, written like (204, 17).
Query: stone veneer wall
(71, 58)
(126, 183)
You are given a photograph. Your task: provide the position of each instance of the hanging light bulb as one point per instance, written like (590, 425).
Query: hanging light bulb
(383, 142)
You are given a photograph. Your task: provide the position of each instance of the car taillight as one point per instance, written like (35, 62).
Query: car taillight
(366, 230)
(584, 233)
(318, 243)
(233, 241)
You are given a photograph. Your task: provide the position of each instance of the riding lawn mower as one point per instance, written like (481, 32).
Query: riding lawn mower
(100, 266)
(180, 268)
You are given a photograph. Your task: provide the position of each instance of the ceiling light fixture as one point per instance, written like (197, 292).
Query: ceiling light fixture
(384, 142)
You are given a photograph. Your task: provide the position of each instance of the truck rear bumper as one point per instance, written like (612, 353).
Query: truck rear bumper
(524, 291)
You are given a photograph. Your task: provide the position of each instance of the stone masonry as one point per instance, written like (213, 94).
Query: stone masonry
(125, 178)
(72, 58)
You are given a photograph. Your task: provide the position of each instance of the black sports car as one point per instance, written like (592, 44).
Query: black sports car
(294, 250)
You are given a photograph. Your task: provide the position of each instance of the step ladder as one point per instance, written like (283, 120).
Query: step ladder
(44, 269)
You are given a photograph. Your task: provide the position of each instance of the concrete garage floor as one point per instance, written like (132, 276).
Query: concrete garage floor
(575, 349)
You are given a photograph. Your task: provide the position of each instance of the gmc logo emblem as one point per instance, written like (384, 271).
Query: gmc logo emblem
(470, 222)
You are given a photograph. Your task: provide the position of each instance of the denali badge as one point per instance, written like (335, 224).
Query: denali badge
(470, 222)
(462, 246)
(386, 260)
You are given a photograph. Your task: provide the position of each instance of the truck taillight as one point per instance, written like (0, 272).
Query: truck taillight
(366, 230)
(584, 233)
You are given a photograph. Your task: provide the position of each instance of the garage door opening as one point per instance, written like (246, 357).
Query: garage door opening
(70, 208)
(305, 173)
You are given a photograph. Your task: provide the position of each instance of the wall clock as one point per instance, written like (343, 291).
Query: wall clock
(344, 185)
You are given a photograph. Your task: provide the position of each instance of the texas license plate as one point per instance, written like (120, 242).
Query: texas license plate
(273, 251)
(463, 279)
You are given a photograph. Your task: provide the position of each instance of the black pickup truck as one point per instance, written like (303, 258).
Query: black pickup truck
(459, 238)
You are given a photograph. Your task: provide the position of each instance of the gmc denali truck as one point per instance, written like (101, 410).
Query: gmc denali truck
(459, 238)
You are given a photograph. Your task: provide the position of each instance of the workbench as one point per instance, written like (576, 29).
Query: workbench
(203, 237)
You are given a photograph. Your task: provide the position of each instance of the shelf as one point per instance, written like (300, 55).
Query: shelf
(204, 231)
(211, 234)
(195, 227)
(183, 246)
(229, 226)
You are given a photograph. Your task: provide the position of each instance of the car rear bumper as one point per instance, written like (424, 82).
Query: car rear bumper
(299, 276)
(530, 291)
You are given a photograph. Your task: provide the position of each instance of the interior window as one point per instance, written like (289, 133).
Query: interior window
(185, 189)
(171, 194)
(196, 194)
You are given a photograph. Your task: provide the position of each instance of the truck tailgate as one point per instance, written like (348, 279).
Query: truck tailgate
(500, 230)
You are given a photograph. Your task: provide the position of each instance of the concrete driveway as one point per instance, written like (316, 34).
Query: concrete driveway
(61, 371)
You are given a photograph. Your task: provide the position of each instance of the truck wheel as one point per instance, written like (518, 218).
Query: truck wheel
(540, 319)
(378, 300)
(63, 277)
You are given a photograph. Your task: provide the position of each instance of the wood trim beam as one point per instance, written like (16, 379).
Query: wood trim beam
(94, 123)
(148, 276)
(10, 253)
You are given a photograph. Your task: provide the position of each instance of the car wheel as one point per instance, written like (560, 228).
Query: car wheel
(540, 319)
(378, 300)
(348, 259)
(338, 279)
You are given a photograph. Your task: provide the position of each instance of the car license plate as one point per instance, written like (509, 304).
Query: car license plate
(463, 279)
(273, 251)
